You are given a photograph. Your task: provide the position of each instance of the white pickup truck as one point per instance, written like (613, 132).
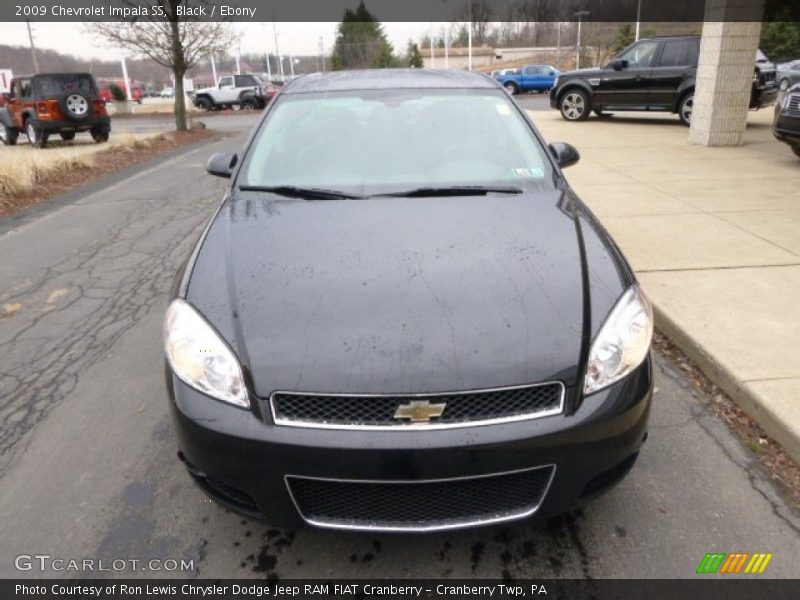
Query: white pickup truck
(234, 91)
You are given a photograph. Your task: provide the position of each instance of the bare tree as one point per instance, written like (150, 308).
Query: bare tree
(171, 41)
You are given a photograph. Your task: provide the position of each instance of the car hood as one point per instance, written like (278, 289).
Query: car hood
(394, 295)
(588, 72)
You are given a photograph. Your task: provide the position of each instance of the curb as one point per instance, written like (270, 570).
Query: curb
(775, 424)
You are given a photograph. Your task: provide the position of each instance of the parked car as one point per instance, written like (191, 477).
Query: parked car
(137, 94)
(531, 78)
(232, 91)
(655, 74)
(168, 92)
(788, 75)
(48, 103)
(786, 126)
(337, 357)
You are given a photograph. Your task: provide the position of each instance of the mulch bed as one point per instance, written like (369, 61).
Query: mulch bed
(106, 162)
(782, 468)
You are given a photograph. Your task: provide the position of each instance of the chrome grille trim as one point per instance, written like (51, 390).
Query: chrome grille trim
(462, 524)
(420, 426)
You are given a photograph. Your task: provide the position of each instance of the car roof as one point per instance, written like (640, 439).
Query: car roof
(32, 75)
(381, 79)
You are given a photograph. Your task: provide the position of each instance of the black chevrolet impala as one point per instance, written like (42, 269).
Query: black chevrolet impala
(402, 318)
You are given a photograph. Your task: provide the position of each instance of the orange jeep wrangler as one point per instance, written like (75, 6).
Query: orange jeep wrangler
(49, 103)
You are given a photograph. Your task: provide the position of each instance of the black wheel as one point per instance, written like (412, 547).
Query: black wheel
(575, 105)
(8, 135)
(685, 107)
(36, 138)
(75, 106)
(796, 150)
(511, 87)
(204, 104)
(67, 136)
(99, 136)
(783, 85)
(248, 104)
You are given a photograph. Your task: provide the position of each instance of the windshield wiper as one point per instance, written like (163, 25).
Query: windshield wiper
(292, 191)
(458, 190)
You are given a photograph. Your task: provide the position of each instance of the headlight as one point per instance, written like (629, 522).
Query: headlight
(200, 358)
(622, 342)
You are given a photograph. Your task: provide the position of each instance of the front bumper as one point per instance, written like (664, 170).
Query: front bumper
(554, 97)
(764, 96)
(242, 460)
(787, 128)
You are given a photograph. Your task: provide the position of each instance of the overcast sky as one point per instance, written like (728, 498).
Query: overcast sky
(293, 38)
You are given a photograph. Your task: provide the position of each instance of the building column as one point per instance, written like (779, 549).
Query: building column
(728, 47)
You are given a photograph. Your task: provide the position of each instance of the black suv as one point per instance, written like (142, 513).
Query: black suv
(656, 74)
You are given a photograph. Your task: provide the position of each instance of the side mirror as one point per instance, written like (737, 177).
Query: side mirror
(618, 64)
(221, 164)
(565, 154)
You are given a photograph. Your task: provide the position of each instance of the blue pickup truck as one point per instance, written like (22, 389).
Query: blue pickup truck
(531, 78)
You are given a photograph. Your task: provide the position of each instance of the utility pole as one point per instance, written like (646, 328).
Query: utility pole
(291, 64)
(33, 47)
(266, 53)
(558, 44)
(238, 57)
(469, 38)
(322, 53)
(638, 17)
(431, 51)
(446, 45)
(125, 77)
(214, 70)
(580, 14)
(278, 52)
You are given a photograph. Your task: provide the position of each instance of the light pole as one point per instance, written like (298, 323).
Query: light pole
(33, 47)
(638, 17)
(278, 52)
(580, 14)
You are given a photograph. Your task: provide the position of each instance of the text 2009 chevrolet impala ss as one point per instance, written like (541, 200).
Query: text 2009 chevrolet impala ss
(402, 318)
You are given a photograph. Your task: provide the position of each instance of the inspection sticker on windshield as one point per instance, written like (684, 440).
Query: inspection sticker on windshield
(534, 173)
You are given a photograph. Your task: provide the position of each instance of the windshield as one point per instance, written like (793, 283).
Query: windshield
(379, 141)
(55, 85)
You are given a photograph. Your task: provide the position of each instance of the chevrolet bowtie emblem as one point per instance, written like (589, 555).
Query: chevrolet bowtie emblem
(419, 411)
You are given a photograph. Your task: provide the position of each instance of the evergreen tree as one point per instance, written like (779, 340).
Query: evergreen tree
(413, 56)
(361, 42)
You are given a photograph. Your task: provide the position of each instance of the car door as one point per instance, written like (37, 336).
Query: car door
(529, 77)
(227, 93)
(626, 87)
(676, 63)
(20, 92)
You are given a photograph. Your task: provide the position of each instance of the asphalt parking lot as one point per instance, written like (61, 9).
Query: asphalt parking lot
(84, 420)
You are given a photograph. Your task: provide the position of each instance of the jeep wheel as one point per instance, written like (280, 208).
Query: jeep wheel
(575, 105)
(36, 138)
(784, 84)
(248, 104)
(237, 106)
(204, 103)
(8, 135)
(685, 108)
(511, 87)
(67, 136)
(99, 136)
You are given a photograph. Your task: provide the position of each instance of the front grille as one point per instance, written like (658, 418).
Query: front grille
(420, 505)
(461, 408)
(794, 104)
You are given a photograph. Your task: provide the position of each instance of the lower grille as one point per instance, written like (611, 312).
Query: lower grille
(380, 411)
(423, 505)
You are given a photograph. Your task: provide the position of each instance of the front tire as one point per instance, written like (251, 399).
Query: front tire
(511, 88)
(204, 104)
(8, 135)
(36, 138)
(575, 105)
(685, 109)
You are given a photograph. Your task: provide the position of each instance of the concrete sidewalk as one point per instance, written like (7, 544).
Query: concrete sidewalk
(714, 236)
